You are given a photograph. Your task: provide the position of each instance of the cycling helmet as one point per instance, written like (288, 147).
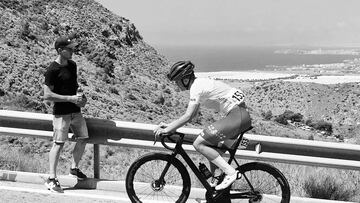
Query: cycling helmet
(181, 70)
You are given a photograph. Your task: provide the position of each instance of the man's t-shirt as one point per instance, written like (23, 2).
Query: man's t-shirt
(64, 80)
(215, 94)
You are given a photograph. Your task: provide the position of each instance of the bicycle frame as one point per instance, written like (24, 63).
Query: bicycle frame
(179, 150)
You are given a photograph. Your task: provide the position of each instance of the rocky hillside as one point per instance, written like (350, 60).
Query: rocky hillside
(124, 78)
(334, 104)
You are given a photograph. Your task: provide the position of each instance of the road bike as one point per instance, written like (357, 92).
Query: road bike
(162, 176)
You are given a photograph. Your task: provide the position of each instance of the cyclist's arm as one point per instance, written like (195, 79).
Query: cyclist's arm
(189, 114)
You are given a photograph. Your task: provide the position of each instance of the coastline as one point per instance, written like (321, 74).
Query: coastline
(309, 71)
(244, 75)
(283, 75)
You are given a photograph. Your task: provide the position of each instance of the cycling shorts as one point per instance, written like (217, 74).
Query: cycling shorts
(229, 127)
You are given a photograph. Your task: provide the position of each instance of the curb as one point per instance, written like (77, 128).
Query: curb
(65, 180)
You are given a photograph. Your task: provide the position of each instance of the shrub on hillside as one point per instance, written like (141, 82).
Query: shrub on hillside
(113, 90)
(320, 125)
(104, 60)
(267, 115)
(127, 71)
(2, 92)
(159, 100)
(308, 122)
(25, 32)
(288, 115)
(327, 188)
(281, 119)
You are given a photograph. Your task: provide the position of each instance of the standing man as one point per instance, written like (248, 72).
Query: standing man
(61, 88)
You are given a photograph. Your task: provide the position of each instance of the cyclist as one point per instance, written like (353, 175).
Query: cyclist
(214, 94)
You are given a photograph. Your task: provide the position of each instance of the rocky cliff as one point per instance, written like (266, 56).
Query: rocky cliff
(122, 76)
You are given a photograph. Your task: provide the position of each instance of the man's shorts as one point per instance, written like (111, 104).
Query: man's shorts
(229, 127)
(62, 123)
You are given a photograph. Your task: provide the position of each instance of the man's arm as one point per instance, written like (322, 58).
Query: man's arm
(51, 96)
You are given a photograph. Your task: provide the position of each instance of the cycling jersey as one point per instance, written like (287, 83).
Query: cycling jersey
(215, 94)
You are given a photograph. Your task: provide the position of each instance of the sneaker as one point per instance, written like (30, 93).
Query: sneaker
(76, 173)
(228, 180)
(53, 185)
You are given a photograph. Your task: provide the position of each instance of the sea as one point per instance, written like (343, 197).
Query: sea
(215, 59)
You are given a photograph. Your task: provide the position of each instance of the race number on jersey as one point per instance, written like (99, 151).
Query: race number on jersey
(236, 96)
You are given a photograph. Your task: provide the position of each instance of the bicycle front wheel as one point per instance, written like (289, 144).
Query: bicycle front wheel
(144, 182)
(260, 182)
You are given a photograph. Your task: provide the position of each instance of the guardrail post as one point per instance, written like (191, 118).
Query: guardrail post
(96, 161)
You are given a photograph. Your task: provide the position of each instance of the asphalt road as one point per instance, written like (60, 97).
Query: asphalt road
(26, 193)
(20, 192)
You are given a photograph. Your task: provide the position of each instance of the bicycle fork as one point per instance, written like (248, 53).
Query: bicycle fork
(160, 183)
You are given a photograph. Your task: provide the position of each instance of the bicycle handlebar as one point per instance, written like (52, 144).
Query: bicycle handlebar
(169, 137)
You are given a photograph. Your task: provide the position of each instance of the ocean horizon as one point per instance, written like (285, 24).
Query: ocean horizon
(215, 59)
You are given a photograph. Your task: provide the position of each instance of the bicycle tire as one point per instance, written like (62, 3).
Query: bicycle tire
(139, 186)
(269, 184)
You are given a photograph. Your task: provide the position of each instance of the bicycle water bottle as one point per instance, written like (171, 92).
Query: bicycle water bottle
(204, 171)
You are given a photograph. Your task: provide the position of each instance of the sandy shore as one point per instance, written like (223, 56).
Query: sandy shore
(328, 79)
(244, 75)
(266, 75)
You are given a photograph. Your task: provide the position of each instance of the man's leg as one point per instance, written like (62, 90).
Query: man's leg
(54, 157)
(52, 183)
(61, 124)
(78, 126)
(78, 151)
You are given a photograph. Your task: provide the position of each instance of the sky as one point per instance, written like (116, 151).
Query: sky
(243, 22)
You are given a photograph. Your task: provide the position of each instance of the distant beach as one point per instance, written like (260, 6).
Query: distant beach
(244, 75)
(273, 75)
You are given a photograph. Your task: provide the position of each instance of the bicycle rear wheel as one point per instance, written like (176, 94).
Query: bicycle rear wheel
(143, 183)
(260, 182)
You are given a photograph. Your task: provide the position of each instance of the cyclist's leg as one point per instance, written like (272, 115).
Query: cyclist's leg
(213, 167)
(224, 129)
(229, 127)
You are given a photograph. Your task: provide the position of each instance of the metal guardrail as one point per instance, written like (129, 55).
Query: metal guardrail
(120, 133)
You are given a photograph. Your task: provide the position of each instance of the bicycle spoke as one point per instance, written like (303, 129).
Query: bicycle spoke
(266, 187)
(147, 184)
(170, 195)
